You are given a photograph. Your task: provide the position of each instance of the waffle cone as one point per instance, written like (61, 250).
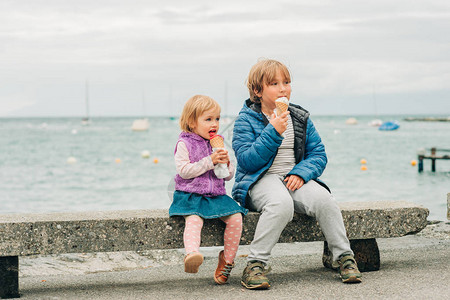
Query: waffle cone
(281, 107)
(216, 142)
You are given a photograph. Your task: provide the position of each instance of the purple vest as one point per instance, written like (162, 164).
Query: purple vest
(206, 184)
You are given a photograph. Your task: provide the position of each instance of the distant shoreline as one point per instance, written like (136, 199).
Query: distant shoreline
(428, 119)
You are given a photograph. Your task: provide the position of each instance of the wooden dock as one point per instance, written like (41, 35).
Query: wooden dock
(421, 155)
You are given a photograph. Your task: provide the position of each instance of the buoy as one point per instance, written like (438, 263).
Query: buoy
(117, 160)
(74, 131)
(71, 160)
(413, 163)
(363, 161)
(145, 154)
(363, 168)
(156, 161)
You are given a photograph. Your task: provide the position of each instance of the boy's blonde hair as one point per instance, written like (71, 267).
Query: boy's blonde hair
(195, 107)
(263, 72)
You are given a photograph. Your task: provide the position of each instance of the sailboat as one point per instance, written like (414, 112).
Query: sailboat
(375, 122)
(141, 124)
(86, 120)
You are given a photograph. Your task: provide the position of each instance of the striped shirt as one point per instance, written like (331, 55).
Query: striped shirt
(284, 162)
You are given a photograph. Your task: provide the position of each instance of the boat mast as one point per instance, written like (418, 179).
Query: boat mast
(226, 98)
(374, 100)
(143, 103)
(87, 99)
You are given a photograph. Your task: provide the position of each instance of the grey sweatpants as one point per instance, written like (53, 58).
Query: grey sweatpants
(277, 204)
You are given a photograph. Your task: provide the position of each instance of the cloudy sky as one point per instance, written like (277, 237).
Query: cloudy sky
(148, 57)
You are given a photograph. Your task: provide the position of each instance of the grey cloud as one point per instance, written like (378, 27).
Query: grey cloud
(336, 50)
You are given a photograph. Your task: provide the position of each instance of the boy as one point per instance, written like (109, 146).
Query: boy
(280, 158)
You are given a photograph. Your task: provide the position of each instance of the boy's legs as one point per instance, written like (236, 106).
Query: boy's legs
(314, 200)
(270, 197)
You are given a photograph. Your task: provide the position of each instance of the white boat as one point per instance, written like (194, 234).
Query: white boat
(85, 121)
(140, 125)
(375, 123)
(351, 121)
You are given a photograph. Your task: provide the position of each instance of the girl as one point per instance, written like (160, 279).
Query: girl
(199, 194)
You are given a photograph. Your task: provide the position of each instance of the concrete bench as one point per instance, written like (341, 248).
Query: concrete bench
(107, 231)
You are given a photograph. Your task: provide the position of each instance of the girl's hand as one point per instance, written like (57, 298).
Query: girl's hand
(294, 182)
(280, 122)
(220, 157)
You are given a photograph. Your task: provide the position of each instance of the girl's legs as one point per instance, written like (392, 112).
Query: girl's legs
(192, 238)
(192, 233)
(232, 236)
(314, 200)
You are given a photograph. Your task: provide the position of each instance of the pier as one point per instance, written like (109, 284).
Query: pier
(421, 155)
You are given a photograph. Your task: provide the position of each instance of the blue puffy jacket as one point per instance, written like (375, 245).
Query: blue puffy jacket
(256, 142)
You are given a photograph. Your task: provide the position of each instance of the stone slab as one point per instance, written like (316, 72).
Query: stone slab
(138, 230)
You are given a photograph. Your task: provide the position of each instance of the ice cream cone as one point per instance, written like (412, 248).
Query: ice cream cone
(282, 105)
(216, 141)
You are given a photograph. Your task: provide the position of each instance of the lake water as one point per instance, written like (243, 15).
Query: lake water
(110, 174)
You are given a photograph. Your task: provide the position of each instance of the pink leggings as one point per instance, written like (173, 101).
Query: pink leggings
(232, 235)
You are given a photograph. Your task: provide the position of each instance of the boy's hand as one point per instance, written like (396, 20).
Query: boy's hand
(220, 157)
(294, 182)
(280, 122)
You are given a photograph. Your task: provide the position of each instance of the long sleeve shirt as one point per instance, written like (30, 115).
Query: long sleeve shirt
(188, 170)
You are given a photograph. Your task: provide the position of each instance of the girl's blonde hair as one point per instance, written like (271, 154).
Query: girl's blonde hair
(263, 72)
(194, 108)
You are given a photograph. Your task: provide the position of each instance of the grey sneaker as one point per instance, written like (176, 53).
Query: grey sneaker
(349, 269)
(254, 276)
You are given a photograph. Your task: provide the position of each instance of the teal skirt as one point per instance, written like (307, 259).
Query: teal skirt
(186, 204)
